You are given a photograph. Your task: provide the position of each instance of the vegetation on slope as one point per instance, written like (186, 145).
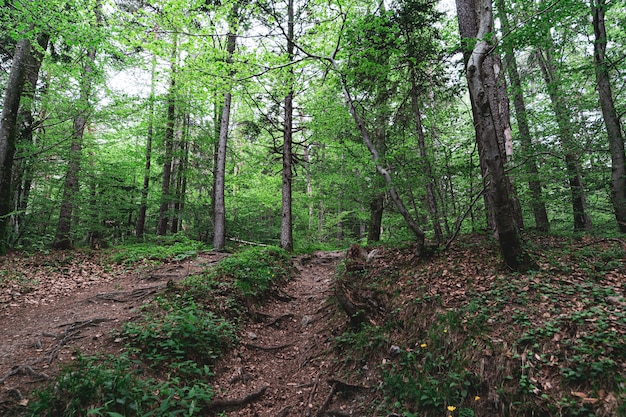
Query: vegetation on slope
(460, 335)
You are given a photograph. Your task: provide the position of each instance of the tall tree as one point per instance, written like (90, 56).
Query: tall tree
(168, 142)
(564, 121)
(479, 15)
(286, 225)
(534, 184)
(143, 205)
(8, 132)
(609, 113)
(219, 231)
(63, 238)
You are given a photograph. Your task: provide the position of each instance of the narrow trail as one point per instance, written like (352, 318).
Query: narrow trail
(287, 348)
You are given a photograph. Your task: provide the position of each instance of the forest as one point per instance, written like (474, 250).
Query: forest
(310, 123)
(312, 208)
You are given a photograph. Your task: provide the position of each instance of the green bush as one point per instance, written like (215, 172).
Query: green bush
(185, 333)
(114, 387)
(254, 270)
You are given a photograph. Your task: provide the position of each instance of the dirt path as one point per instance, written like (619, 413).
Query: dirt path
(285, 353)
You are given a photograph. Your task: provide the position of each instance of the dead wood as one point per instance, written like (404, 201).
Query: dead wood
(221, 404)
(268, 348)
(337, 413)
(309, 403)
(327, 401)
(284, 412)
(346, 386)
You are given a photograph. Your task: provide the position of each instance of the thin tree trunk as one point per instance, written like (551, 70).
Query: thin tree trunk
(611, 118)
(564, 119)
(141, 217)
(67, 214)
(534, 184)
(431, 198)
(384, 172)
(219, 236)
(487, 137)
(166, 198)
(8, 133)
(286, 224)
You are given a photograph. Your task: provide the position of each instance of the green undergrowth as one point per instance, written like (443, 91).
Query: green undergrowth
(166, 365)
(174, 248)
(462, 336)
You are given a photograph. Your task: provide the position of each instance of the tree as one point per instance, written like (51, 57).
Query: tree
(479, 15)
(564, 121)
(534, 184)
(286, 226)
(219, 231)
(609, 113)
(8, 132)
(166, 198)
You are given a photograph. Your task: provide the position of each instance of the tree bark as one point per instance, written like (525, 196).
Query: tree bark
(609, 113)
(286, 224)
(534, 184)
(219, 232)
(166, 180)
(143, 205)
(23, 172)
(426, 167)
(564, 120)
(8, 133)
(498, 184)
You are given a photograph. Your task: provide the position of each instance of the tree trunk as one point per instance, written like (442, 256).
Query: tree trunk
(534, 184)
(564, 120)
(141, 217)
(431, 198)
(486, 137)
(23, 172)
(286, 224)
(377, 207)
(219, 236)
(166, 197)
(8, 133)
(611, 118)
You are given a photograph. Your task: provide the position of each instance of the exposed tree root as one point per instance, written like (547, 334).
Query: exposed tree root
(279, 347)
(221, 404)
(126, 296)
(23, 370)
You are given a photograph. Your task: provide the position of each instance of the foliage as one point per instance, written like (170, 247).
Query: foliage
(169, 249)
(254, 270)
(165, 368)
(116, 386)
(184, 335)
(462, 334)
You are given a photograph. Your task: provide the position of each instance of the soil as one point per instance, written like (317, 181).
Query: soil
(53, 306)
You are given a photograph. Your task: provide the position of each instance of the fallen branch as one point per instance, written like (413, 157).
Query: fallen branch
(284, 412)
(346, 386)
(309, 402)
(235, 402)
(327, 401)
(232, 239)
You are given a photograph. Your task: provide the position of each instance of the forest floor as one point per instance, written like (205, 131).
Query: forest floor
(54, 306)
(383, 332)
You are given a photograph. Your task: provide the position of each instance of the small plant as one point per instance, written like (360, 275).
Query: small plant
(172, 250)
(254, 270)
(187, 333)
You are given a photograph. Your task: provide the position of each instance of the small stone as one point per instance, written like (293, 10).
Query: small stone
(252, 335)
(394, 350)
(306, 320)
